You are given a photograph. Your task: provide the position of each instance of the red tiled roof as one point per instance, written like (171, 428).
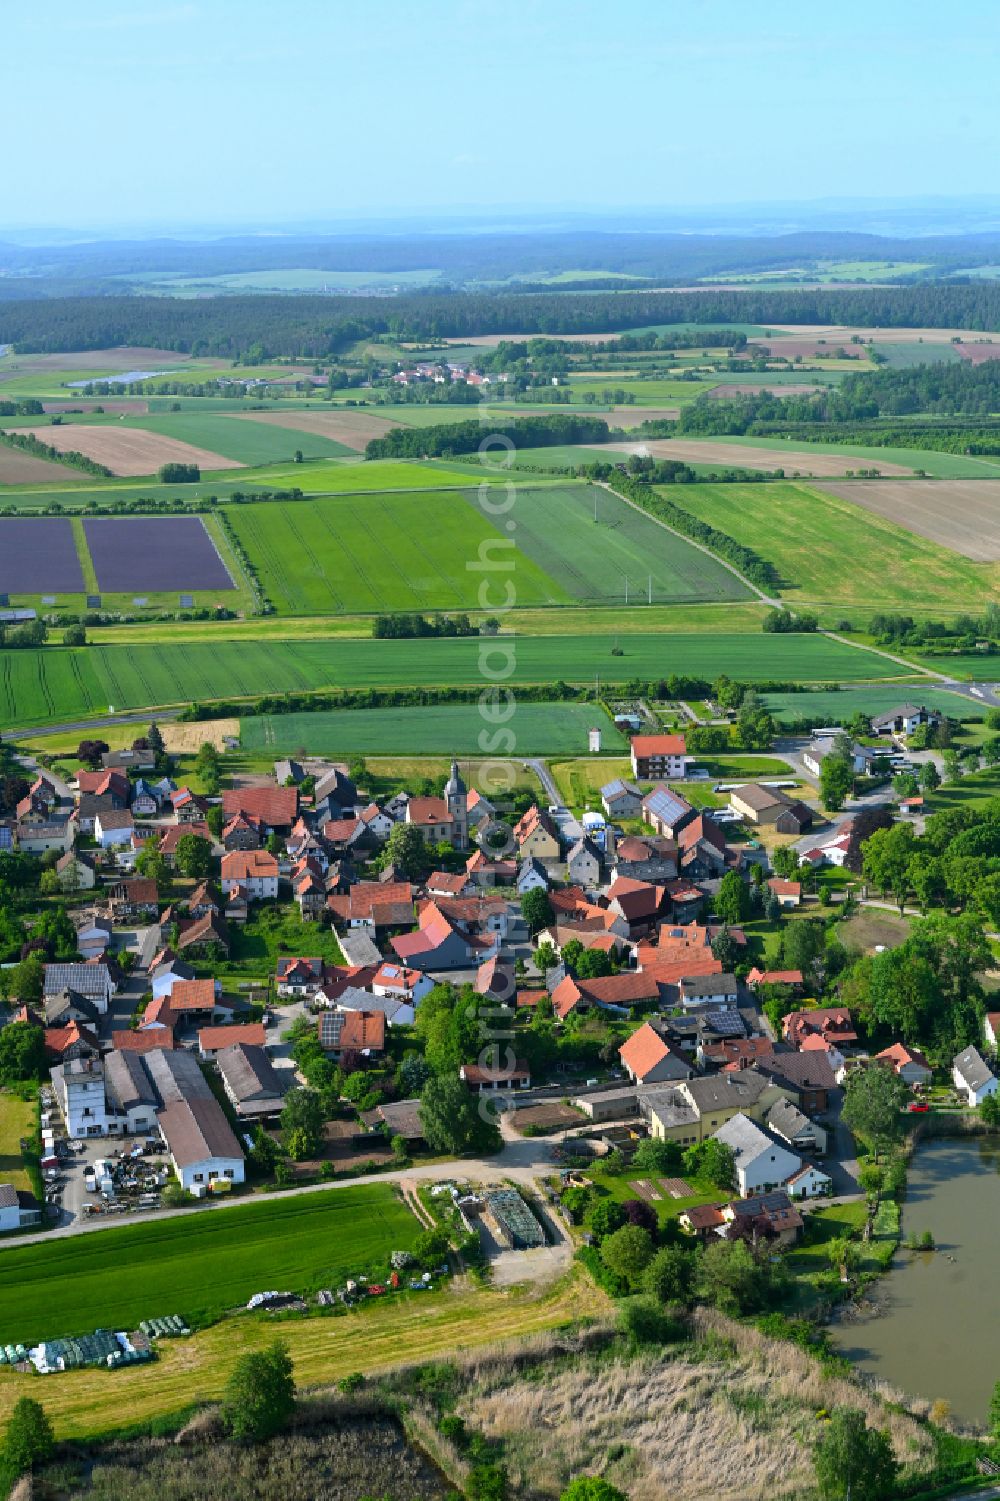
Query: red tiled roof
(274, 806)
(363, 1029)
(143, 1042)
(427, 810)
(58, 1039)
(899, 1054)
(242, 865)
(774, 977)
(211, 1039)
(641, 1052)
(785, 888)
(659, 745)
(474, 1073)
(168, 841)
(192, 995)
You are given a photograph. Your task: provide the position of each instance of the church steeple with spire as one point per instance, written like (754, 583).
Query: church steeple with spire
(456, 795)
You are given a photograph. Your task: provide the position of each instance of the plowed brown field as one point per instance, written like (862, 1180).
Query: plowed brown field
(962, 514)
(353, 428)
(129, 450)
(17, 468)
(745, 456)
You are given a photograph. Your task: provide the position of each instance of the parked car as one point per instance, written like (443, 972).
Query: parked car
(918, 1107)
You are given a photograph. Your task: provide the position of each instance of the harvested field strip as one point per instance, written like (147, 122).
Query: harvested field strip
(143, 676)
(129, 451)
(344, 427)
(806, 460)
(17, 468)
(374, 1338)
(830, 551)
(962, 515)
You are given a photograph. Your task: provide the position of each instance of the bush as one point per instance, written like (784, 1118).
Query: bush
(260, 1395)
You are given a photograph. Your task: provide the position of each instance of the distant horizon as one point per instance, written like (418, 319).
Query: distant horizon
(970, 214)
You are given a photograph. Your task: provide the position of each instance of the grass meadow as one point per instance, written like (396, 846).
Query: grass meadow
(831, 552)
(59, 683)
(250, 443)
(436, 729)
(198, 1265)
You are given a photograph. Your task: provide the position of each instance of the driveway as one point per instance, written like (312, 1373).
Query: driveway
(842, 1156)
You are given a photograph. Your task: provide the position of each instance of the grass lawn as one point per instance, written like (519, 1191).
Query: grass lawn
(971, 792)
(271, 931)
(835, 707)
(199, 1265)
(829, 551)
(383, 553)
(580, 781)
(973, 666)
(18, 1119)
(624, 551)
(57, 683)
(619, 1187)
(414, 1327)
(437, 729)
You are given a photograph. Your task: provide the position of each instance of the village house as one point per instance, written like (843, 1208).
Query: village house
(666, 811)
(911, 1065)
(695, 1108)
(79, 1090)
(350, 1036)
(770, 807)
(583, 863)
(242, 833)
(487, 1079)
(789, 893)
(786, 1121)
(718, 990)
(213, 1040)
(170, 838)
(253, 872)
(621, 799)
(640, 904)
(834, 1024)
(810, 1182)
(298, 976)
(92, 980)
(616, 993)
(374, 905)
(991, 1029)
(647, 857)
(770, 1215)
(274, 808)
(254, 1087)
(76, 872)
(973, 1078)
(904, 719)
(136, 898)
(535, 834)
(655, 757)
(531, 876)
(49, 838)
(761, 1162)
(113, 827)
(201, 1144)
(648, 1058)
(442, 943)
(398, 983)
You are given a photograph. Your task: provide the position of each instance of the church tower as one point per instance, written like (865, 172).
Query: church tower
(456, 795)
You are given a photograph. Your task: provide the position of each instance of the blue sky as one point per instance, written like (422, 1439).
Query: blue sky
(268, 111)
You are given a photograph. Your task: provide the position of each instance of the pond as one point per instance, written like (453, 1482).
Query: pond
(937, 1335)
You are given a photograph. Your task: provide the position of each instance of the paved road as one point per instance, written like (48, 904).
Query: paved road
(70, 727)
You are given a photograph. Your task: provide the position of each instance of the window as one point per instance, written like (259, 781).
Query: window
(199, 1177)
(229, 1173)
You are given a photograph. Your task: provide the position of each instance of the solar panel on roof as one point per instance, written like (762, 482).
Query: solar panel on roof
(187, 601)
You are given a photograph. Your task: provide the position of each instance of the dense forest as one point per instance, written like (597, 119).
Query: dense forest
(466, 437)
(261, 328)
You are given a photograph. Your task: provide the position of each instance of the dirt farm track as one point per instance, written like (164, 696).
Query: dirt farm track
(963, 514)
(129, 450)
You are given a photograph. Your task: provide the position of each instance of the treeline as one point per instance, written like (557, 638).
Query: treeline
(946, 390)
(30, 444)
(753, 567)
(262, 328)
(30, 633)
(29, 407)
(414, 627)
(147, 505)
(546, 431)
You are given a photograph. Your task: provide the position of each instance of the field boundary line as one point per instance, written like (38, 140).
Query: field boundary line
(889, 656)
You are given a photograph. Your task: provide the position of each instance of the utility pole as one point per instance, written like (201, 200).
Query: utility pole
(626, 588)
(650, 588)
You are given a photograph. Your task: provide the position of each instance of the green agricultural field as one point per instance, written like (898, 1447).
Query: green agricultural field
(624, 549)
(903, 356)
(249, 442)
(835, 707)
(981, 667)
(648, 391)
(56, 684)
(437, 729)
(334, 476)
(199, 1265)
(935, 465)
(383, 553)
(830, 552)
